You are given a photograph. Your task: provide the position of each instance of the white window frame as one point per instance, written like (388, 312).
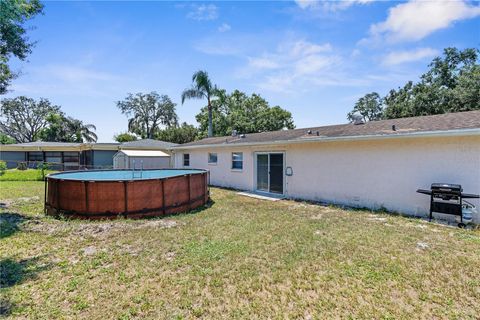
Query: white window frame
(183, 159)
(211, 162)
(237, 169)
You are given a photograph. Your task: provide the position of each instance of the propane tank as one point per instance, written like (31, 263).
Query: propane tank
(468, 211)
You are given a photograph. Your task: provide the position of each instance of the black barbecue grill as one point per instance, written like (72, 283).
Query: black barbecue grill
(447, 198)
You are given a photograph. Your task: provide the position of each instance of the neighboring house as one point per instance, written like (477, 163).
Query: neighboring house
(141, 159)
(72, 156)
(60, 155)
(379, 164)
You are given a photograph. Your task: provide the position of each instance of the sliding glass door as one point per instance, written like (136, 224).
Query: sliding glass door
(270, 172)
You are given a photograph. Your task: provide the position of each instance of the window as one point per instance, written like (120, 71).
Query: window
(212, 158)
(237, 160)
(35, 156)
(186, 160)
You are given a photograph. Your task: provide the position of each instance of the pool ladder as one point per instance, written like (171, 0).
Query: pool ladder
(140, 172)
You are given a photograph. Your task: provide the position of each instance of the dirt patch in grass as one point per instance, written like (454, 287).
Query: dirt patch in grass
(7, 203)
(95, 229)
(14, 222)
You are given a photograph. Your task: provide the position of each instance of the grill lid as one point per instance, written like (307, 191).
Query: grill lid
(448, 187)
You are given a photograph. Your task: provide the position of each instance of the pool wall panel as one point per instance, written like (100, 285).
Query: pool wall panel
(197, 190)
(73, 199)
(145, 195)
(52, 194)
(128, 198)
(176, 194)
(106, 197)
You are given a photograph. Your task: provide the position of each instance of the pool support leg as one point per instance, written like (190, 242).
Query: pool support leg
(86, 196)
(57, 197)
(45, 197)
(163, 197)
(125, 187)
(189, 194)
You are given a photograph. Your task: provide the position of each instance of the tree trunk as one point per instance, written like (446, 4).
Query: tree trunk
(210, 122)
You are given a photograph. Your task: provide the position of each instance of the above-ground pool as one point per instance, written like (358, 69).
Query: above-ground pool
(101, 194)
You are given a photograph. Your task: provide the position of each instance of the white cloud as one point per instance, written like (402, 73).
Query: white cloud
(203, 12)
(304, 4)
(263, 63)
(305, 48)
(60, 79)
(399, 57)
(76, 74)
(327, 5)
(277, 83)
(293, 63)
(224, 27)
(312, 64)
(290, 64)
(298, 55)
(231, 44)
(417, 19)
(213, 47)
(355, 53)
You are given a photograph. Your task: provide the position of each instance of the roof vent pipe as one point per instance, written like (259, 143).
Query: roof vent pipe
(394, 128)
(234, 133)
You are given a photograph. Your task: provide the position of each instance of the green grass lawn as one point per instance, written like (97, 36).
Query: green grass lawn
(23, 175)
(238, 258)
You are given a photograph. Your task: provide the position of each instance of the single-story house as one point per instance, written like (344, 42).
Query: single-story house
(141, 159)
(72, 156)
(60, 155)
(378, 164)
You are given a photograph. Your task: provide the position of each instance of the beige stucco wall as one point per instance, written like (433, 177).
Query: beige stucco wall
(374, 174)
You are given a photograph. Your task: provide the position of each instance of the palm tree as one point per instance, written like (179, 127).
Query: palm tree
(202, 88)
(87, 133)
(81, 131)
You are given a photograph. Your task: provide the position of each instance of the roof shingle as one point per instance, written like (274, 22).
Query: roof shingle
(47, 144)
(442, 122)
(147, 143)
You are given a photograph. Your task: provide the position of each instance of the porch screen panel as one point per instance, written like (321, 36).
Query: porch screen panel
(71, 160)
(53, 157)
(35, 156)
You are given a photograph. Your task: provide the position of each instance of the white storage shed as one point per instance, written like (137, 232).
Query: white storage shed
(138, 159)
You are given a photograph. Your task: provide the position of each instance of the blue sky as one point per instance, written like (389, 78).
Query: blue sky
(313, 58)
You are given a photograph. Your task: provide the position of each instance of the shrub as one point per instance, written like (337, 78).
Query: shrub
(42, 167)
(22, 166)
(3, 167)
